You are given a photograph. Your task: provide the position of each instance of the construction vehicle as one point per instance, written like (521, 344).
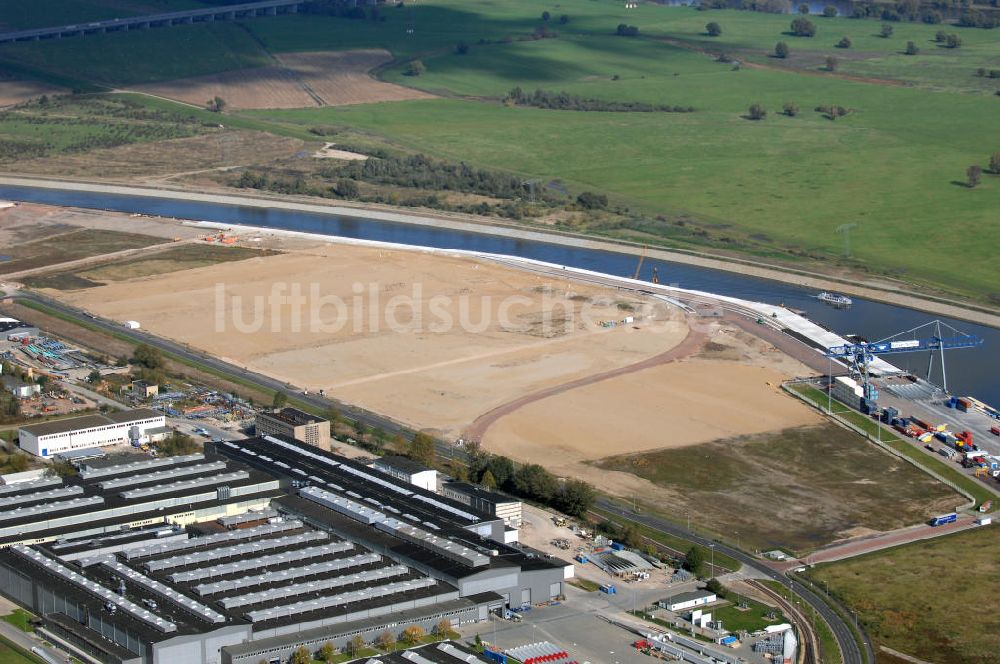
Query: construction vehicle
(559, 521)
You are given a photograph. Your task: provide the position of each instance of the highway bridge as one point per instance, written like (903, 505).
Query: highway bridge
(220, 13)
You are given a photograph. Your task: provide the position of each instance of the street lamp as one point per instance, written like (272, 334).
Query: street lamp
(712, 547)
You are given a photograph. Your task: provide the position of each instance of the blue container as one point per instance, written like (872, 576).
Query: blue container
(617, 546)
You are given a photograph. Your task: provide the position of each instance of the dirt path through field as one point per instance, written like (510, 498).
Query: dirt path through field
(691, 343)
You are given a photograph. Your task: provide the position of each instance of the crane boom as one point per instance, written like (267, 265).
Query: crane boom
(638, 267)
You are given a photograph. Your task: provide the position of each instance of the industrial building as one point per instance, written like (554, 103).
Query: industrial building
(408, 470)
(19, 388)
(250, 551)
(688, 600)
(498, 504)
(296, 424)
(49, 438)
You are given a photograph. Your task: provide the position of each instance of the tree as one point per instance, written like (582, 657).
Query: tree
(412, 635)
(216, 104)
(10, 407)
(591, 201)
(940, 36)
(461, 48)
(386, 640)
(911, 48)
(61, 469)
(148, 357)
(178, 444)
(830, 11)
(831, 63)
(886, 31)
(576, 498)
(790, 109)
(422, 449)
(94, 377)
(356, 645)
(953, 41)
(756, 112)
(327, 652)
(845, 42)
(533, 481)
(631, 535)
(347, 188)
(279, 401)
(443, 628)
(564, 19)
(804, 9)
(995, 163)
(781, 50)
(301, 656)
(694, 561)
(488, 481)
(715, 586)
(713, 29)
(333, 415)
(973, 174)
(624, 30)
(546, 16)
(415, 68)
(803, 27)
(502, 469)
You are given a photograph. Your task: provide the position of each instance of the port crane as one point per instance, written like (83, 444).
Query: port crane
(858, 356)
(642, 259)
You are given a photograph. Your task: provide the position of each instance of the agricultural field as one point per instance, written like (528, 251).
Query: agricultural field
(72, 245)
(922, 599)
(171, 260)
(798, 489)
(886, 164)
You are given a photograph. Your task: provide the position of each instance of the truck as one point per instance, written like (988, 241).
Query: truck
(609, 589)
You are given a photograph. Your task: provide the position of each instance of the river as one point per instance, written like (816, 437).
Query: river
(972, 372)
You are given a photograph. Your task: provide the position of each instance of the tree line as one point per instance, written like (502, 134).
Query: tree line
(563, 101)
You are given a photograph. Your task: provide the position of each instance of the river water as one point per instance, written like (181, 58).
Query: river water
(973, 372)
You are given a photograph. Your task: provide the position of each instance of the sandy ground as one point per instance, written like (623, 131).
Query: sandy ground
(17, 91)
(28, 222)
(300, 80)
(672, 405)
(329, 151)
(390, 347)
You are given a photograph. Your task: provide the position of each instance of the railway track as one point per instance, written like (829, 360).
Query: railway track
(810, 652)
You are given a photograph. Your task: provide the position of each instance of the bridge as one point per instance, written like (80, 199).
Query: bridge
(221, 13)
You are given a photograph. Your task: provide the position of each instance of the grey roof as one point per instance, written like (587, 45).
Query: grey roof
(402, 463)
(688, 596)
(292, 416)
(88, 421)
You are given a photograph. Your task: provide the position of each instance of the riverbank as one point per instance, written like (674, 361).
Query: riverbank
(467, 223)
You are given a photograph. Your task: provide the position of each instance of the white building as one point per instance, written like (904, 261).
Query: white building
(19, 388)
(684, 601)
(75, 433)
(407, 470)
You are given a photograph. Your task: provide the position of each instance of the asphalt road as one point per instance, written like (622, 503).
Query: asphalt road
(845, 638)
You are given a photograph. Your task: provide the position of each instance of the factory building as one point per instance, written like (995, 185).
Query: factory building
(498, 504)
(408, 470)
(102, 500)
(49, 438)
(296, 424)
(689, 600)
(19, 388)
(244, 556)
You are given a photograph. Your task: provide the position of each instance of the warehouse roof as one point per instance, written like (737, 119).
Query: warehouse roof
(88, 421)
(402, 463)
(293, 416)
(688, 596)
(479, 492)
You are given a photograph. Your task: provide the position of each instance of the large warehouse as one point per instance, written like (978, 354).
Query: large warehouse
(75, 433)
(339, 550)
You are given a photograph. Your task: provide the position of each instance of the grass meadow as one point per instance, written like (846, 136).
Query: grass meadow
(895, 164)
(924, 598)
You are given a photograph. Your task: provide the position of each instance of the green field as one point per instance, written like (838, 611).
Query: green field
(12, 654)
(779, 188)
(72, 246)
(798, 489)
(926, 599)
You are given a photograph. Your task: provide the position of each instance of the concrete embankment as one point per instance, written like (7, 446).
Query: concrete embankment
(467, 223)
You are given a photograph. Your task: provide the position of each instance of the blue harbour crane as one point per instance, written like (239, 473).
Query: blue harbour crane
(858, 356)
